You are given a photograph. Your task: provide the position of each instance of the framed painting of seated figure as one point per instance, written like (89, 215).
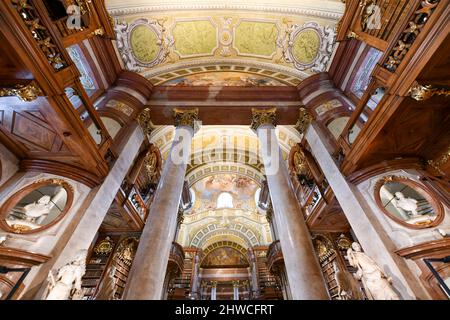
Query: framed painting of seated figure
(36, 207)
(408, 203)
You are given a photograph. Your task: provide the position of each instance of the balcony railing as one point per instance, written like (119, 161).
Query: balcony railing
(274, 255)
(176, 258)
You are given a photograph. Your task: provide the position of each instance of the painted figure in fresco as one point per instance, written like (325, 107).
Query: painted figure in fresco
(375, 282)
(67, 284)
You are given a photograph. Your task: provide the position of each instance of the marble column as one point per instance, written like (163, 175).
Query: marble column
(235, 290)
(370, 233)
(194, 289)
(303, 269)
(254, 270)
(214, 291)
(146, 279)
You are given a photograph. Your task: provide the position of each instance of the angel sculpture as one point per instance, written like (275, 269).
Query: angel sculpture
(376, 284)
(67, 283)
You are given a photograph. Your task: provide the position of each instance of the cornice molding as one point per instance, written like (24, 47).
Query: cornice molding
(154, 72)
(305, 11)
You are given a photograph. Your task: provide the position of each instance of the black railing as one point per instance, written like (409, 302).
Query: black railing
(436, 274)
(25, 271)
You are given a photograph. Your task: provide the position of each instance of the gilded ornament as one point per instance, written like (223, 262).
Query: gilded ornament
(98, 32)
(304, 121)
(145, 121)
(343, 242)
(25, 93)
(442, 160)
(424, 92)
(150, 164)
(104, 247)
(126, 250)
(263, 116)
(353, 35)
(301, 166)
(186, 117)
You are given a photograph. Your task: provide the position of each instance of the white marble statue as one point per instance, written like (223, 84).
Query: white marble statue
(375, 282)
(407, 204)
(39, 208)
(3, 239)
(67, 284)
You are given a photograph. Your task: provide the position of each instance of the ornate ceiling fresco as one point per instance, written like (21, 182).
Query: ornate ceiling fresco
(225, 79)
(282, 40)
(237, 172)
(208, 192)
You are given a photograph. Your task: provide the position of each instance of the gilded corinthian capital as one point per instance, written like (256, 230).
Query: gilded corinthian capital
(185, 117)
(304, 120)
(263, 116)
(145, 121)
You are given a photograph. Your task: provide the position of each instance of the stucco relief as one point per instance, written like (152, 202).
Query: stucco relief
(309, 46)
(142, 43)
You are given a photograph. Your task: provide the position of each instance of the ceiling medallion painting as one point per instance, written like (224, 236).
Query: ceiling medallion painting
(309, 46)
(223, 79)
(195, 38)
(225, 257)
(142, 43)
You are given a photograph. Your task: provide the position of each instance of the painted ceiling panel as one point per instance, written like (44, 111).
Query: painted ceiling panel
(165, 40)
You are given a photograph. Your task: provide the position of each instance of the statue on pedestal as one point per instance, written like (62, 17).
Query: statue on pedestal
(375, 282)
(67, 284)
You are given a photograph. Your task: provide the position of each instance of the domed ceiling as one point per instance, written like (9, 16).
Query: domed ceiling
(261, 43)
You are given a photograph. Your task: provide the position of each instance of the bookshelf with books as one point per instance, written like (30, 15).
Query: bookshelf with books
(96, 266)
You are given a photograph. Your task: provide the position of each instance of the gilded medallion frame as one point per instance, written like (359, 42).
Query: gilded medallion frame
(17, 196)
(428, 194)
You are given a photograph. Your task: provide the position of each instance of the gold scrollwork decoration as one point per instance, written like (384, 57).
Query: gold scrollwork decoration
(98, 32)
(186, 118)
(145, 121)
(343, 242)
(263, 116)
(353, 35)
(104, 247)
(26, 93)
(424, 92)
(304, 120)
(442, 160)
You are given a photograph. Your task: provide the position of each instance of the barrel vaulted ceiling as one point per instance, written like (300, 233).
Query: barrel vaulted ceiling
(285, 40)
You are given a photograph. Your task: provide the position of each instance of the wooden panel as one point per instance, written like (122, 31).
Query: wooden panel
(31, 133)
